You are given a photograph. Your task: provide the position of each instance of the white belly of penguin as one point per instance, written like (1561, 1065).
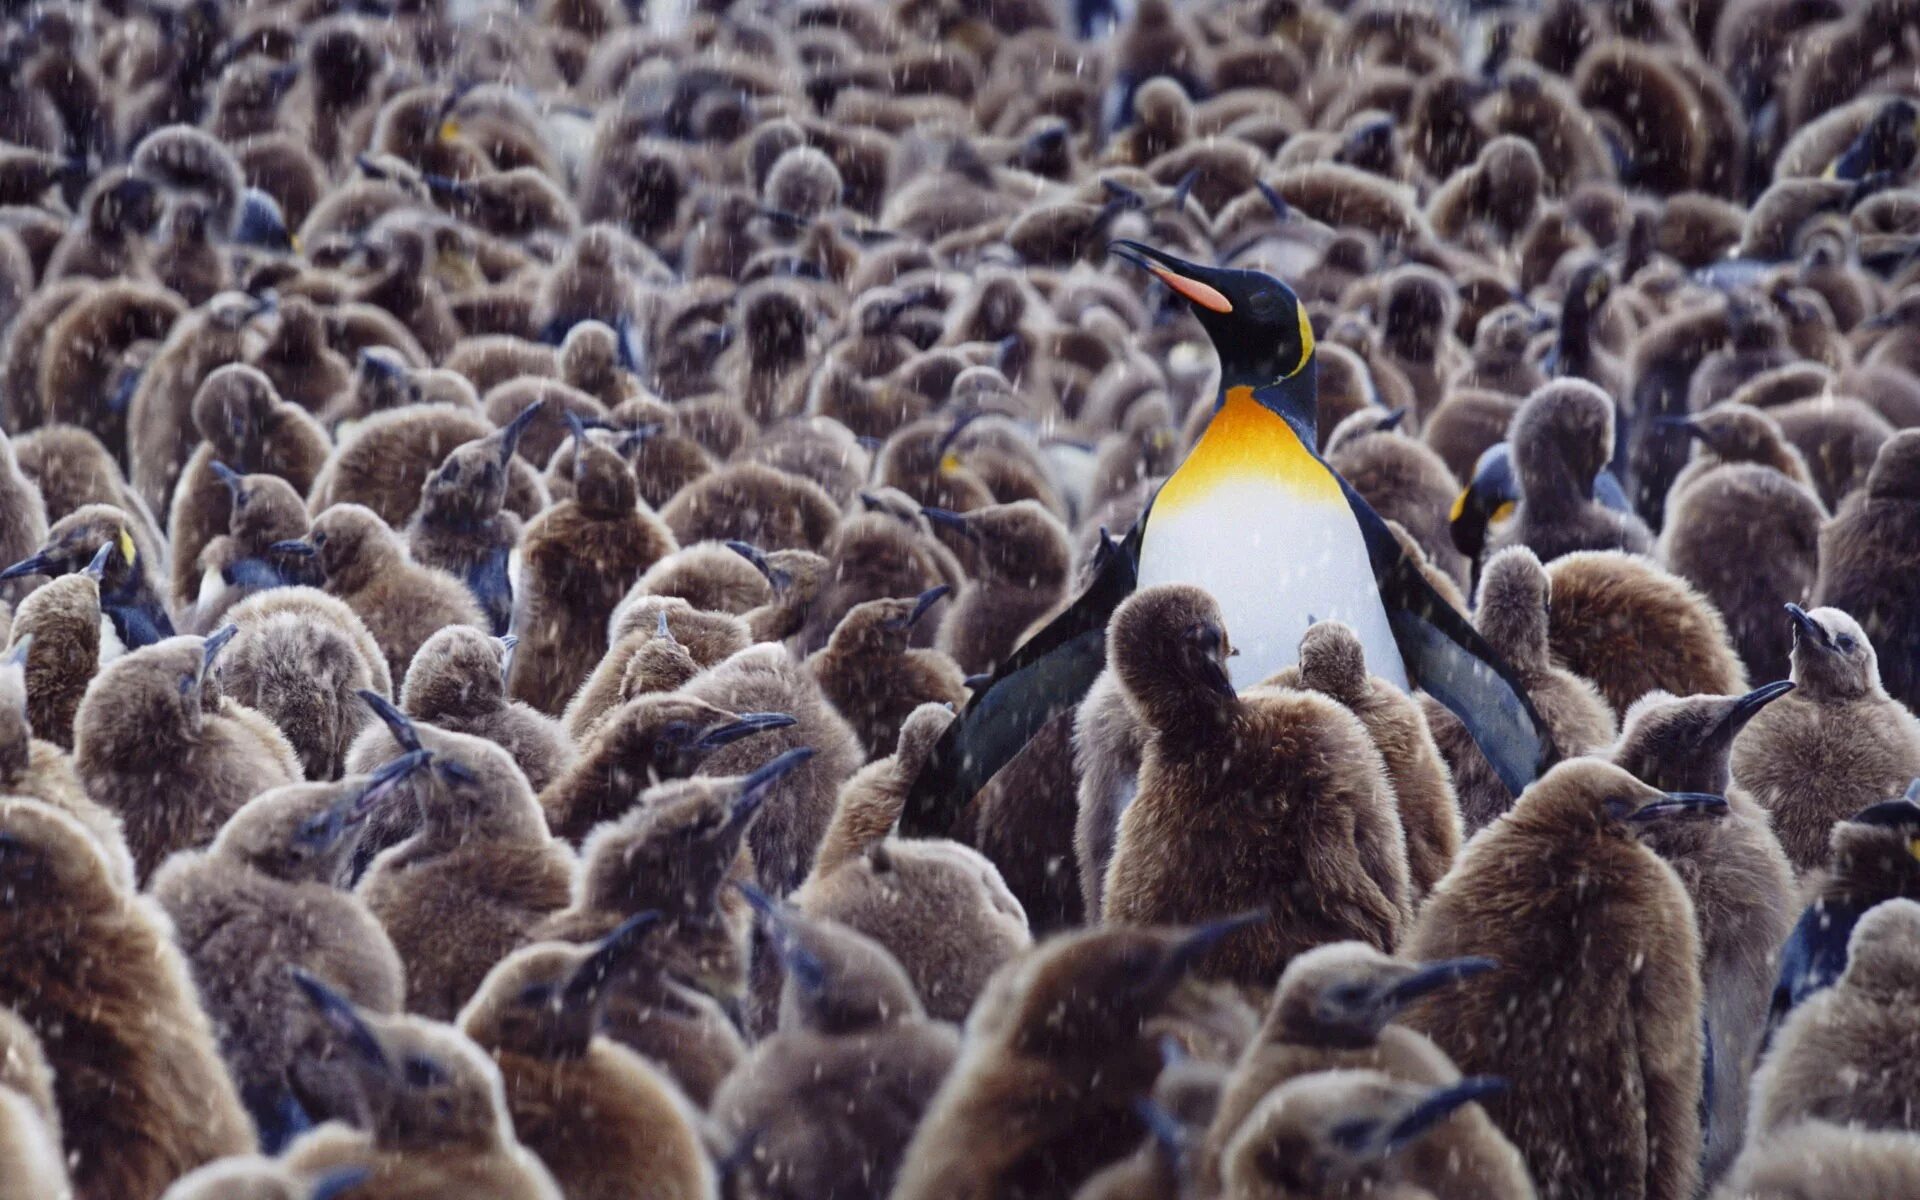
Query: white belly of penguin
(1276, 561)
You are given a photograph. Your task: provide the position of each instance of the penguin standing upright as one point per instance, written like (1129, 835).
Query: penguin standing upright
(1256, 518)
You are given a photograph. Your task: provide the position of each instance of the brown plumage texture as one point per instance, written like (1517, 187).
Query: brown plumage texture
(401, 602)
(1867, 559)
(874, 678)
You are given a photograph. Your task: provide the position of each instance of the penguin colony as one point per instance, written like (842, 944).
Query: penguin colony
(515, 517)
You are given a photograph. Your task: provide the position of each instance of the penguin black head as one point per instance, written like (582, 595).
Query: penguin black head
(1832, 658)
(1258, 327)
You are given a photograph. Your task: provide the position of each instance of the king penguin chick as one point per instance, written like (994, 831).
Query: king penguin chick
(1598, 974)
(151, 748)
(871, 674)
(436, 1122)
(63, 620)
(1870, 556)
(402, 602)
(1056, 1055)
(1812, 1160)
(1333, 663)
(1833, 746)
(826, 1106)
(765, 679)
(39, 770)
(264, 510)
(1562, 436)
(91, 968)
(475, 879)
(1364, 1133)
(1849, 1055)
(1735, 873)
(458, 683)
(461, 526)
(1245, 799)
(577, 559)
(1334, 1010)
(269, 894)
(1019, 561)
(608, 1125)
(23, 520)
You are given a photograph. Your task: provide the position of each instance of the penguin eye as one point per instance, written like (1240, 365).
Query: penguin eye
(1350, 995)
(453, 772)
(1845, 642)
(319, 539)
(451, 472)
(423, 1073)
(535, 995)
(315, 828)
(1264, 305)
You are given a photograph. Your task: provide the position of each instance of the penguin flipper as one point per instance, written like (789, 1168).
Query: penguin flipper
(1049, 674)
(1813, 958)
(488, 582)
(253, 574)
(278, 1115)
(1446, 656)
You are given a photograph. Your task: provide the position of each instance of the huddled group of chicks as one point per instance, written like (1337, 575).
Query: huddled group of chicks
(505, 501)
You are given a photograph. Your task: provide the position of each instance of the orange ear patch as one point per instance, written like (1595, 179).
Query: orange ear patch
(1205, 295)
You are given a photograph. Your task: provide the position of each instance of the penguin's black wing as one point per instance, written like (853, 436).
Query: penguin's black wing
(254, 574)
(489, 583)
(1814, 956)
(1449, 659)
(1049, 674)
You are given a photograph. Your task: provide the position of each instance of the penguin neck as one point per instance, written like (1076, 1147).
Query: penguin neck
(1294, 400)
(1573, 349)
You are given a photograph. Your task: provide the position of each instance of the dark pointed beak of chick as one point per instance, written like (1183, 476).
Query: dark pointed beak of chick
(399, 724)
(948, 519)
(803, 967)
(1438, 1106)
(756, 787)
(39, 564)
(343, 1019)
(1804, 627)
(97, 568)
(387, 779)
(511, 431)
(926, 600)
(753, 554)
(614, 950)
(336, 1183)
(1680, 804)
(743, 726)
(298, 547)
(1191, 281)
(1433, 976)
(1392, 419)
(1686, 425)
(211, 647)
(1747, 707)
(377, 366)
(227, 475)
(1197, 944)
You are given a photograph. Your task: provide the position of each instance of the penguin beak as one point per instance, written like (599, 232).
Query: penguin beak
(1188, 280)
(378, 367)
(1804, 626)
(758, 786)
(337, 1183)
(40, 564)
(1162, 1126)
(1688, 425)
(802, 965)
(298, 547)
(753, 554)
(927, 600)
(339, 1015)
(384, 781)
(448, 189)
(1392, 419)
(16, 655)
(1433, 976)
(1679, 804)
(1438, 1106)
(662, 630)
(1181, 956)
(399, 724)
(948, 519)
(510, 433)
(743, 726)
(97, 569)
(590, 977)
(577, 428)
(227, 475)
(211, 647)
(1747, 707)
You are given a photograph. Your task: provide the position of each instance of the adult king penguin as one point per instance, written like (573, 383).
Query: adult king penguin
(1259, 520)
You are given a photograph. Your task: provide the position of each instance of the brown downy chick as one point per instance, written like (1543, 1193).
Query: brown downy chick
(185, 258)
(269, 894)
(1019, 562)
(1334, 1010)
(1108, 740)
(577, 560)
(1056, 1056)
(711, 576)
(117, 212)
(659, 644)
(1835, 745)
(478, 874)
(1735, 873)
(1500, 361)
(795, 579)
(304, 369)
(31, 1159)
(37, 770)
(1417, 315)
(1234, 811)
(648, 740)
(458, 683)
(247, 427)
(1333, 663)
(868, 808)
(1350, 1133)
(606, 1123)
(462, 526)
(63, 620)
(1404, 481)
(876, 553)
(436, 1121)
(23, 520)
(1812, 1160)
(875, 679)
(1598, 972)
(827, 1105)
(752, 502)
(263, 511)
(161, 429)
(1868, 557)
(151, 748)
(366, 565)
(73, 470)
(1562, 437)
(1846, 1055)
(384, 462)
(91, 968)
(1513, 612)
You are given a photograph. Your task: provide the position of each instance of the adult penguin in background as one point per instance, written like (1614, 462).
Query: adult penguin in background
(1255, 517)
